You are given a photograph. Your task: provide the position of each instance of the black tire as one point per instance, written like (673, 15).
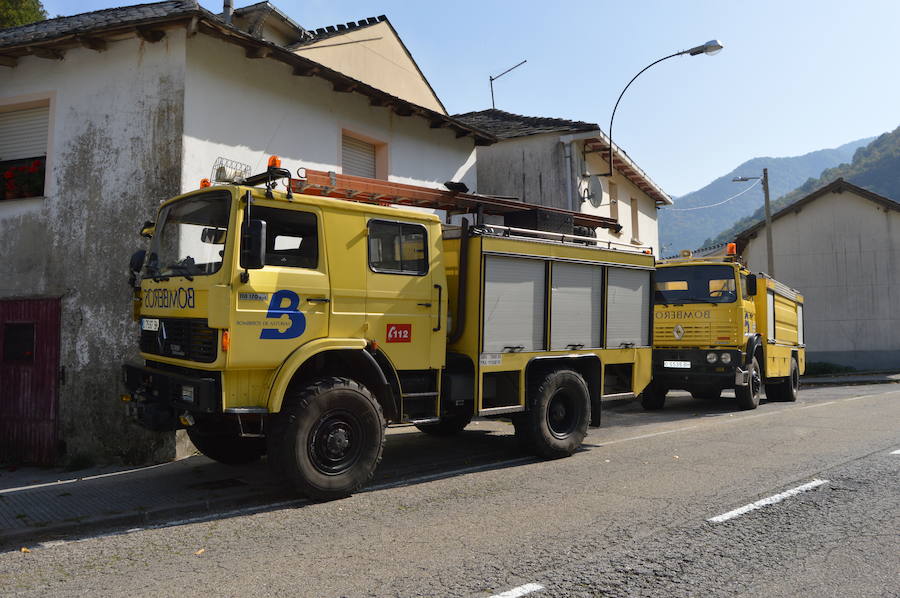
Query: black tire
(229, 449)
(787, 389)
(748, 396)
(449, 425)
(328, 439)
(653, 398)
(559, 410)
(707, 394)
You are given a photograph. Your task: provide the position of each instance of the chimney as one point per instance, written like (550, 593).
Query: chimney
(227, 11)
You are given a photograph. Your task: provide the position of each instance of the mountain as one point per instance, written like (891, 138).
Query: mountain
(875, 167)
(689, 229)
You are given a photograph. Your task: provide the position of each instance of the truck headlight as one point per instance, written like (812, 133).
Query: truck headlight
(711, 358)
(726, 358)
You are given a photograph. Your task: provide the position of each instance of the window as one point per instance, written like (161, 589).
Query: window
(18, 342)
(614, 201)
(190, 237)
(358, 157)
(398, 248)
(695, 284)
(292, 237)
(635, 215)
(23, 151)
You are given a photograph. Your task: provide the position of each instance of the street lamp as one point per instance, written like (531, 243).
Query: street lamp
(765, 183)
(711, 47)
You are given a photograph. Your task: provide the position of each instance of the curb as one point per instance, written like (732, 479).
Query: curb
(73, 531)
(847, 382)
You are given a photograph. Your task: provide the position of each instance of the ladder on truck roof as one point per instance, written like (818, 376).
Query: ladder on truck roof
(380, 192)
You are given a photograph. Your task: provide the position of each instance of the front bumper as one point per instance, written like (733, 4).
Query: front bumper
(700, 373)
(160, 393)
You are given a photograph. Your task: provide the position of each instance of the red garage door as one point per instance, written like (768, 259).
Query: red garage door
(29, 371)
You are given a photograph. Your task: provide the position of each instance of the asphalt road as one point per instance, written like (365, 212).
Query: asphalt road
(627, 516)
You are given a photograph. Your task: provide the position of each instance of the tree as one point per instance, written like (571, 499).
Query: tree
(20, 12)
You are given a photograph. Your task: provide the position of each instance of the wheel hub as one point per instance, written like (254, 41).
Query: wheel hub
(337, 442)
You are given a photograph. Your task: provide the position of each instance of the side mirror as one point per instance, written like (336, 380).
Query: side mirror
(751, 285)
(148, 229)
(135, 265)
(253, 245)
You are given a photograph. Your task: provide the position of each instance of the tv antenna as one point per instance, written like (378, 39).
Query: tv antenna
(492, 79)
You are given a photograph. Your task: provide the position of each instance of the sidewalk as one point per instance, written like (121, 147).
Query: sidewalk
(851, 379)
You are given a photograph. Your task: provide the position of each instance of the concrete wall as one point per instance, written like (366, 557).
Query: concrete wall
(843, 253)
(534, 169)
(375, 55)
(247, 109)
(114, 152)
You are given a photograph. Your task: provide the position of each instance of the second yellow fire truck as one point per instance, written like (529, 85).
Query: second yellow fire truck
(717, 326)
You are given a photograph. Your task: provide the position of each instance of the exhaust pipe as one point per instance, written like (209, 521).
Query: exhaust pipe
(227, 11)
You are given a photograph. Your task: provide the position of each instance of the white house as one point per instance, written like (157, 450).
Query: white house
(104, 114)
(840, 247)
(564, 163)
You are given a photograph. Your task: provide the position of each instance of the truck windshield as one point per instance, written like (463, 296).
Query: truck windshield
(695, 284)
(190, 237)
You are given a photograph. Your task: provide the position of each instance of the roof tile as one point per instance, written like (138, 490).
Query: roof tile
(506, 125)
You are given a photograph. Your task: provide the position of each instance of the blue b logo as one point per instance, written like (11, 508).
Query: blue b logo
(291, 310)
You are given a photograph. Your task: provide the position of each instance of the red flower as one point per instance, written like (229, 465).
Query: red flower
(22, 168)
(37, 163)
(32, 169)
(8, 174)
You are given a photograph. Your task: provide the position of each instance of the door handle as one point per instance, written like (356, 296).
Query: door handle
(440, 299)
(318, 299)
(423, 304)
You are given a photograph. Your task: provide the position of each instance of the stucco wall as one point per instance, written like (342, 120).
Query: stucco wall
(247, 109)
(842, 252)
(534, 169)
(115, 151)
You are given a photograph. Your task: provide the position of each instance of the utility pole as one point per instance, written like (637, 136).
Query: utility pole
(769, 254)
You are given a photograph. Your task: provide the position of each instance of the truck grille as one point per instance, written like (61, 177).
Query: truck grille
(182, 338)
(695, 334)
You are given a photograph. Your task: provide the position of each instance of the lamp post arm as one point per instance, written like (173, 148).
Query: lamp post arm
(613, 116)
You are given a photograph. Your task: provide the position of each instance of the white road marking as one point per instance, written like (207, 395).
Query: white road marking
(897, 452)
(766, 501)
(520, 591)
(642, 436)
(92, 477)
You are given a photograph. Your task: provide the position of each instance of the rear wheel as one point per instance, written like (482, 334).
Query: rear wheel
(748, 396)
(559, 410)
(787, 389)
(654, 397)
(330, 438)
(229, 449)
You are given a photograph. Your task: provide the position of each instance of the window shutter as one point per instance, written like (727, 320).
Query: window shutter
(23, 133)
(358, 157)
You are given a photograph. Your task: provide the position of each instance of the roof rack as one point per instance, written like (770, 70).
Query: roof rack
(380, 192)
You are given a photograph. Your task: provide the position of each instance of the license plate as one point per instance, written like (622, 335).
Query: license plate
(151, 324)
(683, 365)
(187, 394)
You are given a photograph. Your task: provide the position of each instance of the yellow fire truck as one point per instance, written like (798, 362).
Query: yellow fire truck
(717, 326)
(298, 323)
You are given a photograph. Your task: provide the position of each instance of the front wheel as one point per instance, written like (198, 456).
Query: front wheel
(559, 410)
(748, 396)
(330, 439)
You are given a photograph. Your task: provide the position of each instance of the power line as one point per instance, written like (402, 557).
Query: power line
(715, 204)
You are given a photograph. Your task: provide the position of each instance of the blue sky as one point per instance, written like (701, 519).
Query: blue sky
(795, 76)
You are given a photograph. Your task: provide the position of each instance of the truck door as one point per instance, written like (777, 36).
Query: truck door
(406, 293)
(286, 303)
